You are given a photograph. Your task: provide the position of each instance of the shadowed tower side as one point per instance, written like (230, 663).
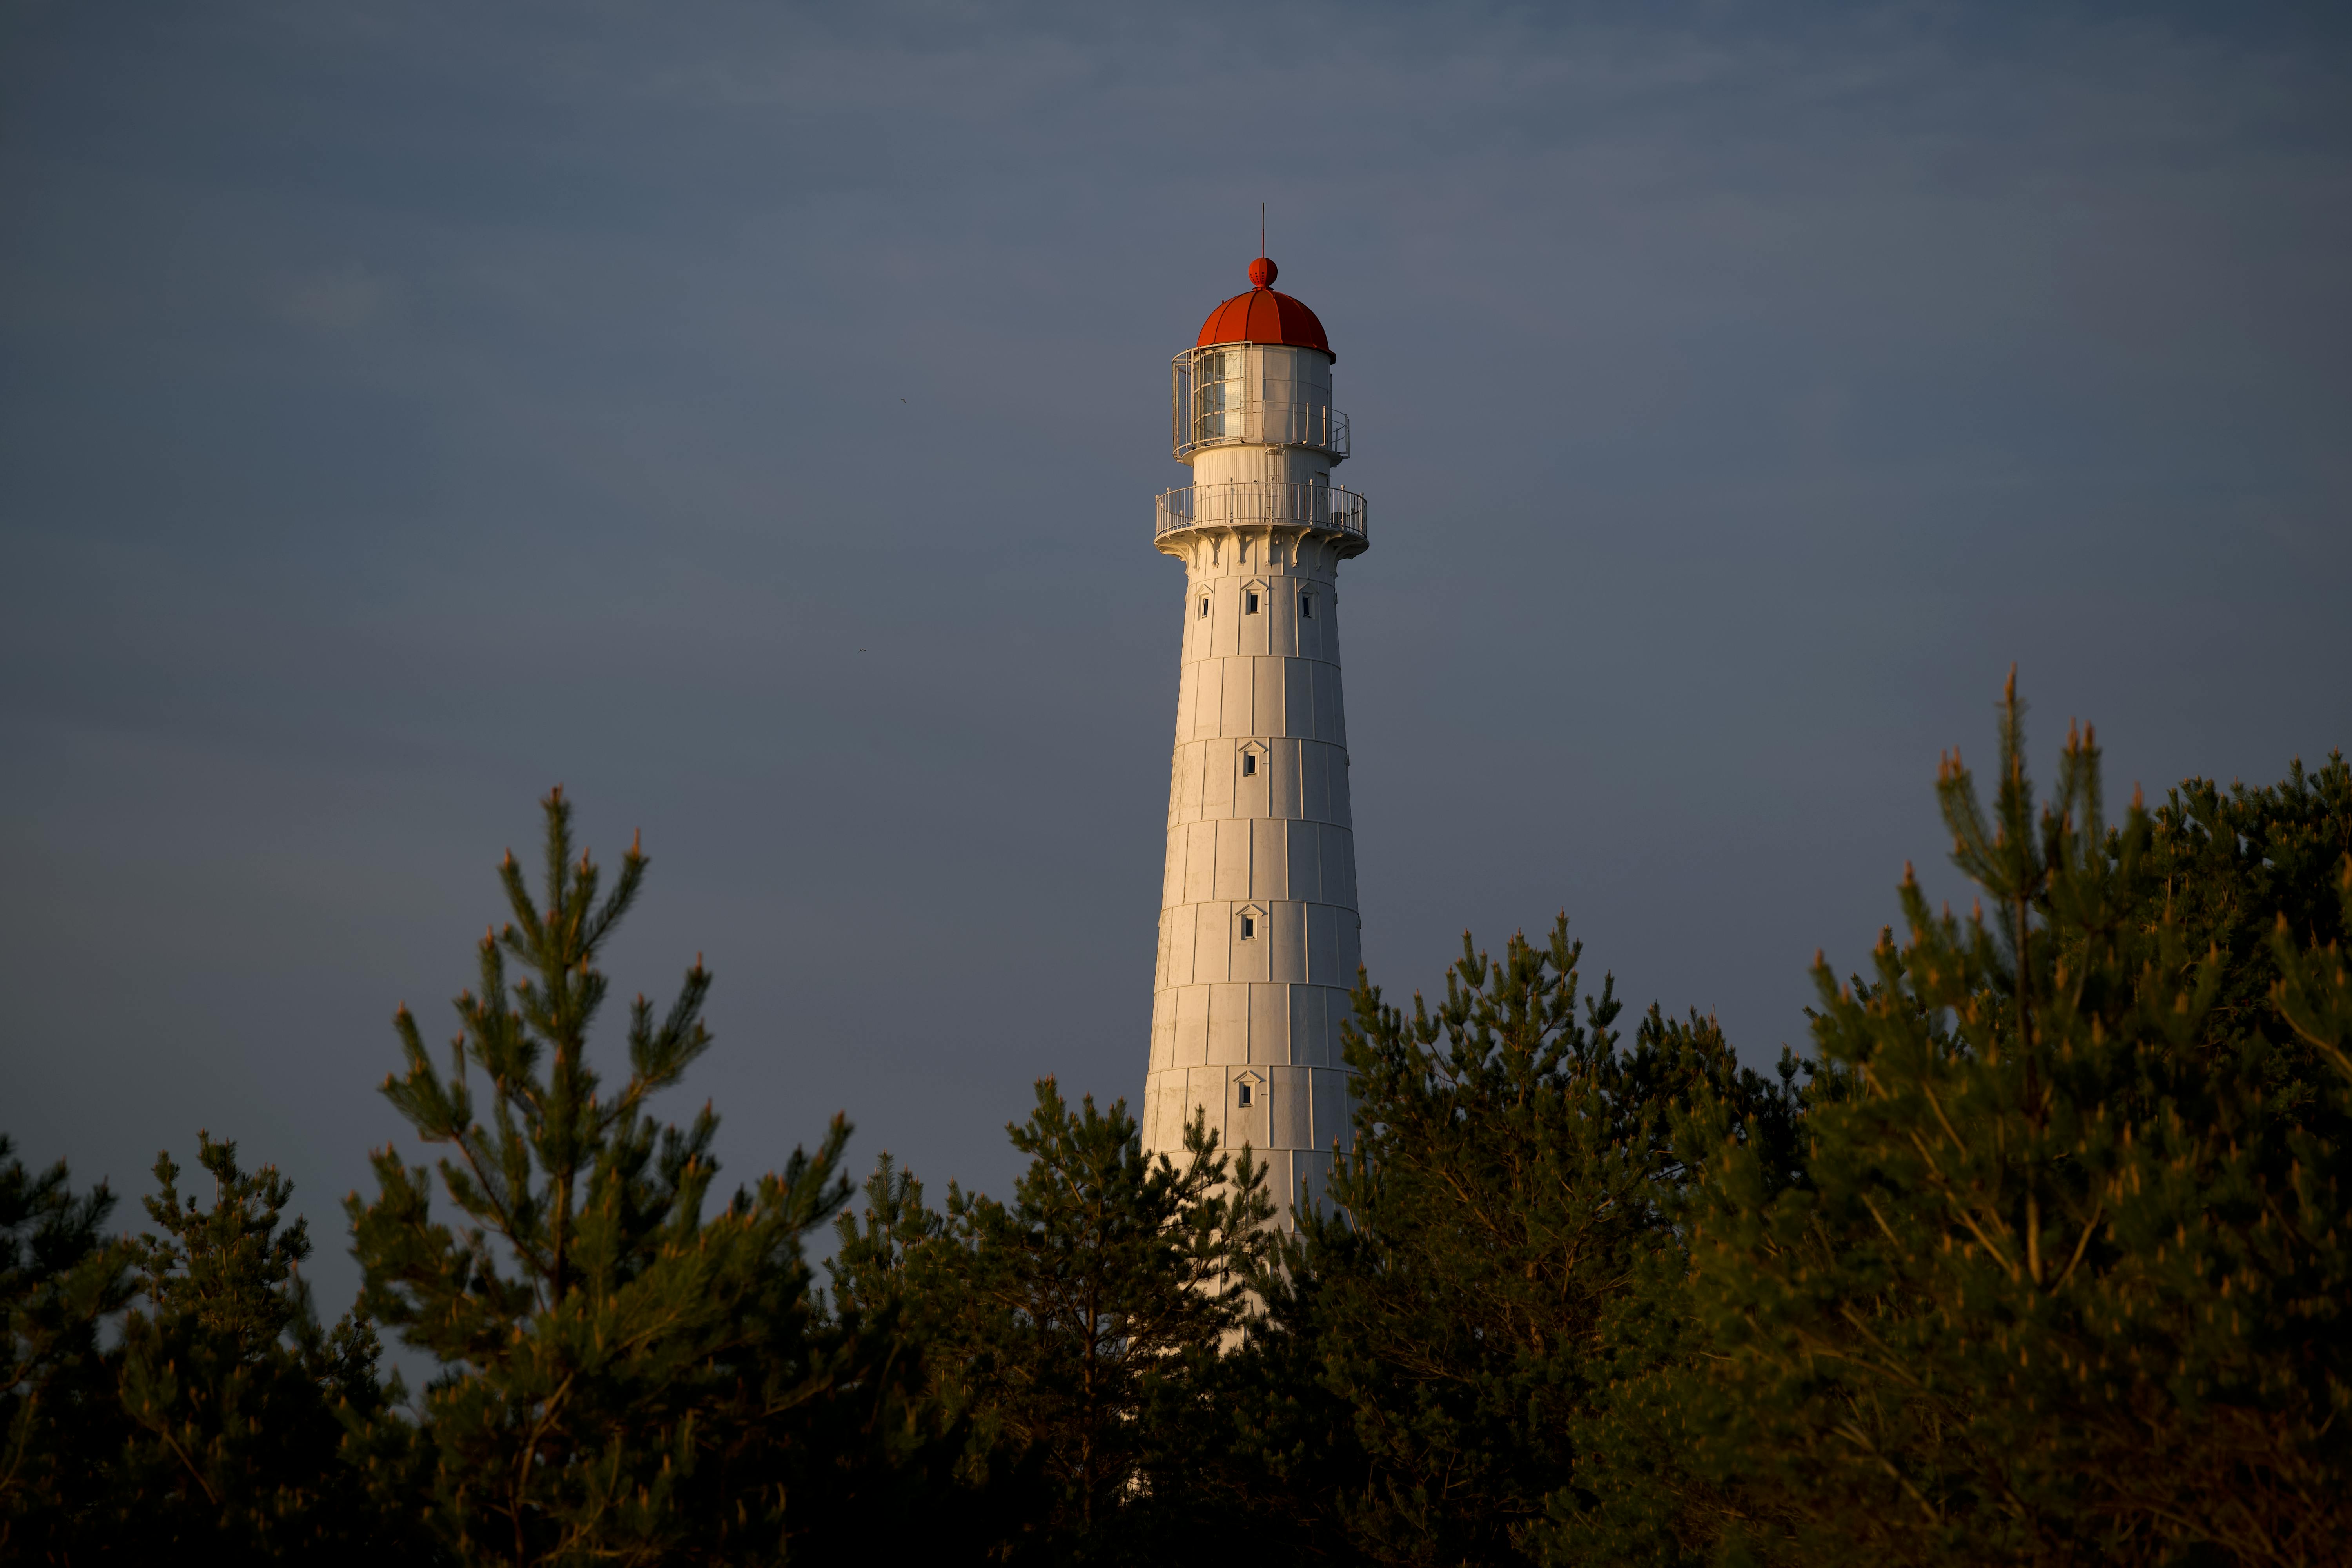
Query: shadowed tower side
(1259, 937)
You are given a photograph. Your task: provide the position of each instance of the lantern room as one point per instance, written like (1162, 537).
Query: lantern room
(1258, 375)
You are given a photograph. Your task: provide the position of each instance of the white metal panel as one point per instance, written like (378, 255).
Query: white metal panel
(1200, 861)
(1322, 944)
(1327, 703)
(1290, 1122)
(1228, 1025)
(1315, 780)
(1270, 858)
(1191, 1026)
(1213, 941)
(1303, 873)
(1308, 1016)
(1285, 801)
(1238, 676)
(1183, 923)
(1163, 1007)
(1267, 704)
(1269, 1029)
(1188, 786)
(1297, 698)
(1233, 857)
(1337, 849)
(1216, 779)
(1289, 962)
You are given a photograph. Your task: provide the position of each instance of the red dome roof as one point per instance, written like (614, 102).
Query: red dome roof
(1263, 316)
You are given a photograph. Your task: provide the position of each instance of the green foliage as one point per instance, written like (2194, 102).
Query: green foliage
(628, 1378)
(1512, 1178)
(1079, 1325)
(247, 1418)
(2314, 991)
(224, 1423)
(60, 1277)
(2066, 1282)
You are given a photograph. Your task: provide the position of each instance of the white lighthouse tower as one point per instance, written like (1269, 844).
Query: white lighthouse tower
(1258, 931)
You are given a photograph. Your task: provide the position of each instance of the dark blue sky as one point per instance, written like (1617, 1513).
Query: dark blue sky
(405, 408)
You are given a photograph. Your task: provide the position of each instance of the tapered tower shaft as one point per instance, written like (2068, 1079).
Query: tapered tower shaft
(1259, 935)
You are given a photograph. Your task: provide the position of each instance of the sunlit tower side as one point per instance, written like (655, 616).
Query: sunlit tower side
(1259, 935)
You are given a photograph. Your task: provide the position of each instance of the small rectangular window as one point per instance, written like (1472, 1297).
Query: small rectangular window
(1247, 1092)
(1204, 609)
(1306, 606)
(1249, 604)
(1249, 929)
(1249, 763)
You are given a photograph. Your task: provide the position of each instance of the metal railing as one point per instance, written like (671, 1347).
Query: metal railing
(1262, 503)
(1217, 395)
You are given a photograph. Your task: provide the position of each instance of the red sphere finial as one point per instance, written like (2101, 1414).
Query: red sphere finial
(1262, 271)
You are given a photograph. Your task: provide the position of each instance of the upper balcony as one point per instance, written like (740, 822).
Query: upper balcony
(1243, 503)
(1234, 394)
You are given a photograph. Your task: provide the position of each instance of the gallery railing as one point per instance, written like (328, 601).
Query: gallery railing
(1248, 503)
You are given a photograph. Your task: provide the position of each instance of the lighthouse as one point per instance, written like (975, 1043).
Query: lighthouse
(1259, 937)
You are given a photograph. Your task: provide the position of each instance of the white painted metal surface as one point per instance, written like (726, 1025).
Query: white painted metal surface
(1259, 936)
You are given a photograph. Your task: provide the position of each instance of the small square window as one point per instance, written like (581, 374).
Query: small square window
(1245, 1094)
(1249, 763)
(1249, 603)
(1306, 606)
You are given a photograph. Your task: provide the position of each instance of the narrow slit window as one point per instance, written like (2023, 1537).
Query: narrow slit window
(1249, 601)
(1249, 763)
(1204, 609)
(1306, 606)
(1245, 1094)
(1249, 928)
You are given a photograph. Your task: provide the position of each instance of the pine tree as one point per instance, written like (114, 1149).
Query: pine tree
(249, 1420)
(2314, 991)
(60, 1277)
(1512, 1176)
(1076, 1329)
(2067, 1282)
(627, 1378)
